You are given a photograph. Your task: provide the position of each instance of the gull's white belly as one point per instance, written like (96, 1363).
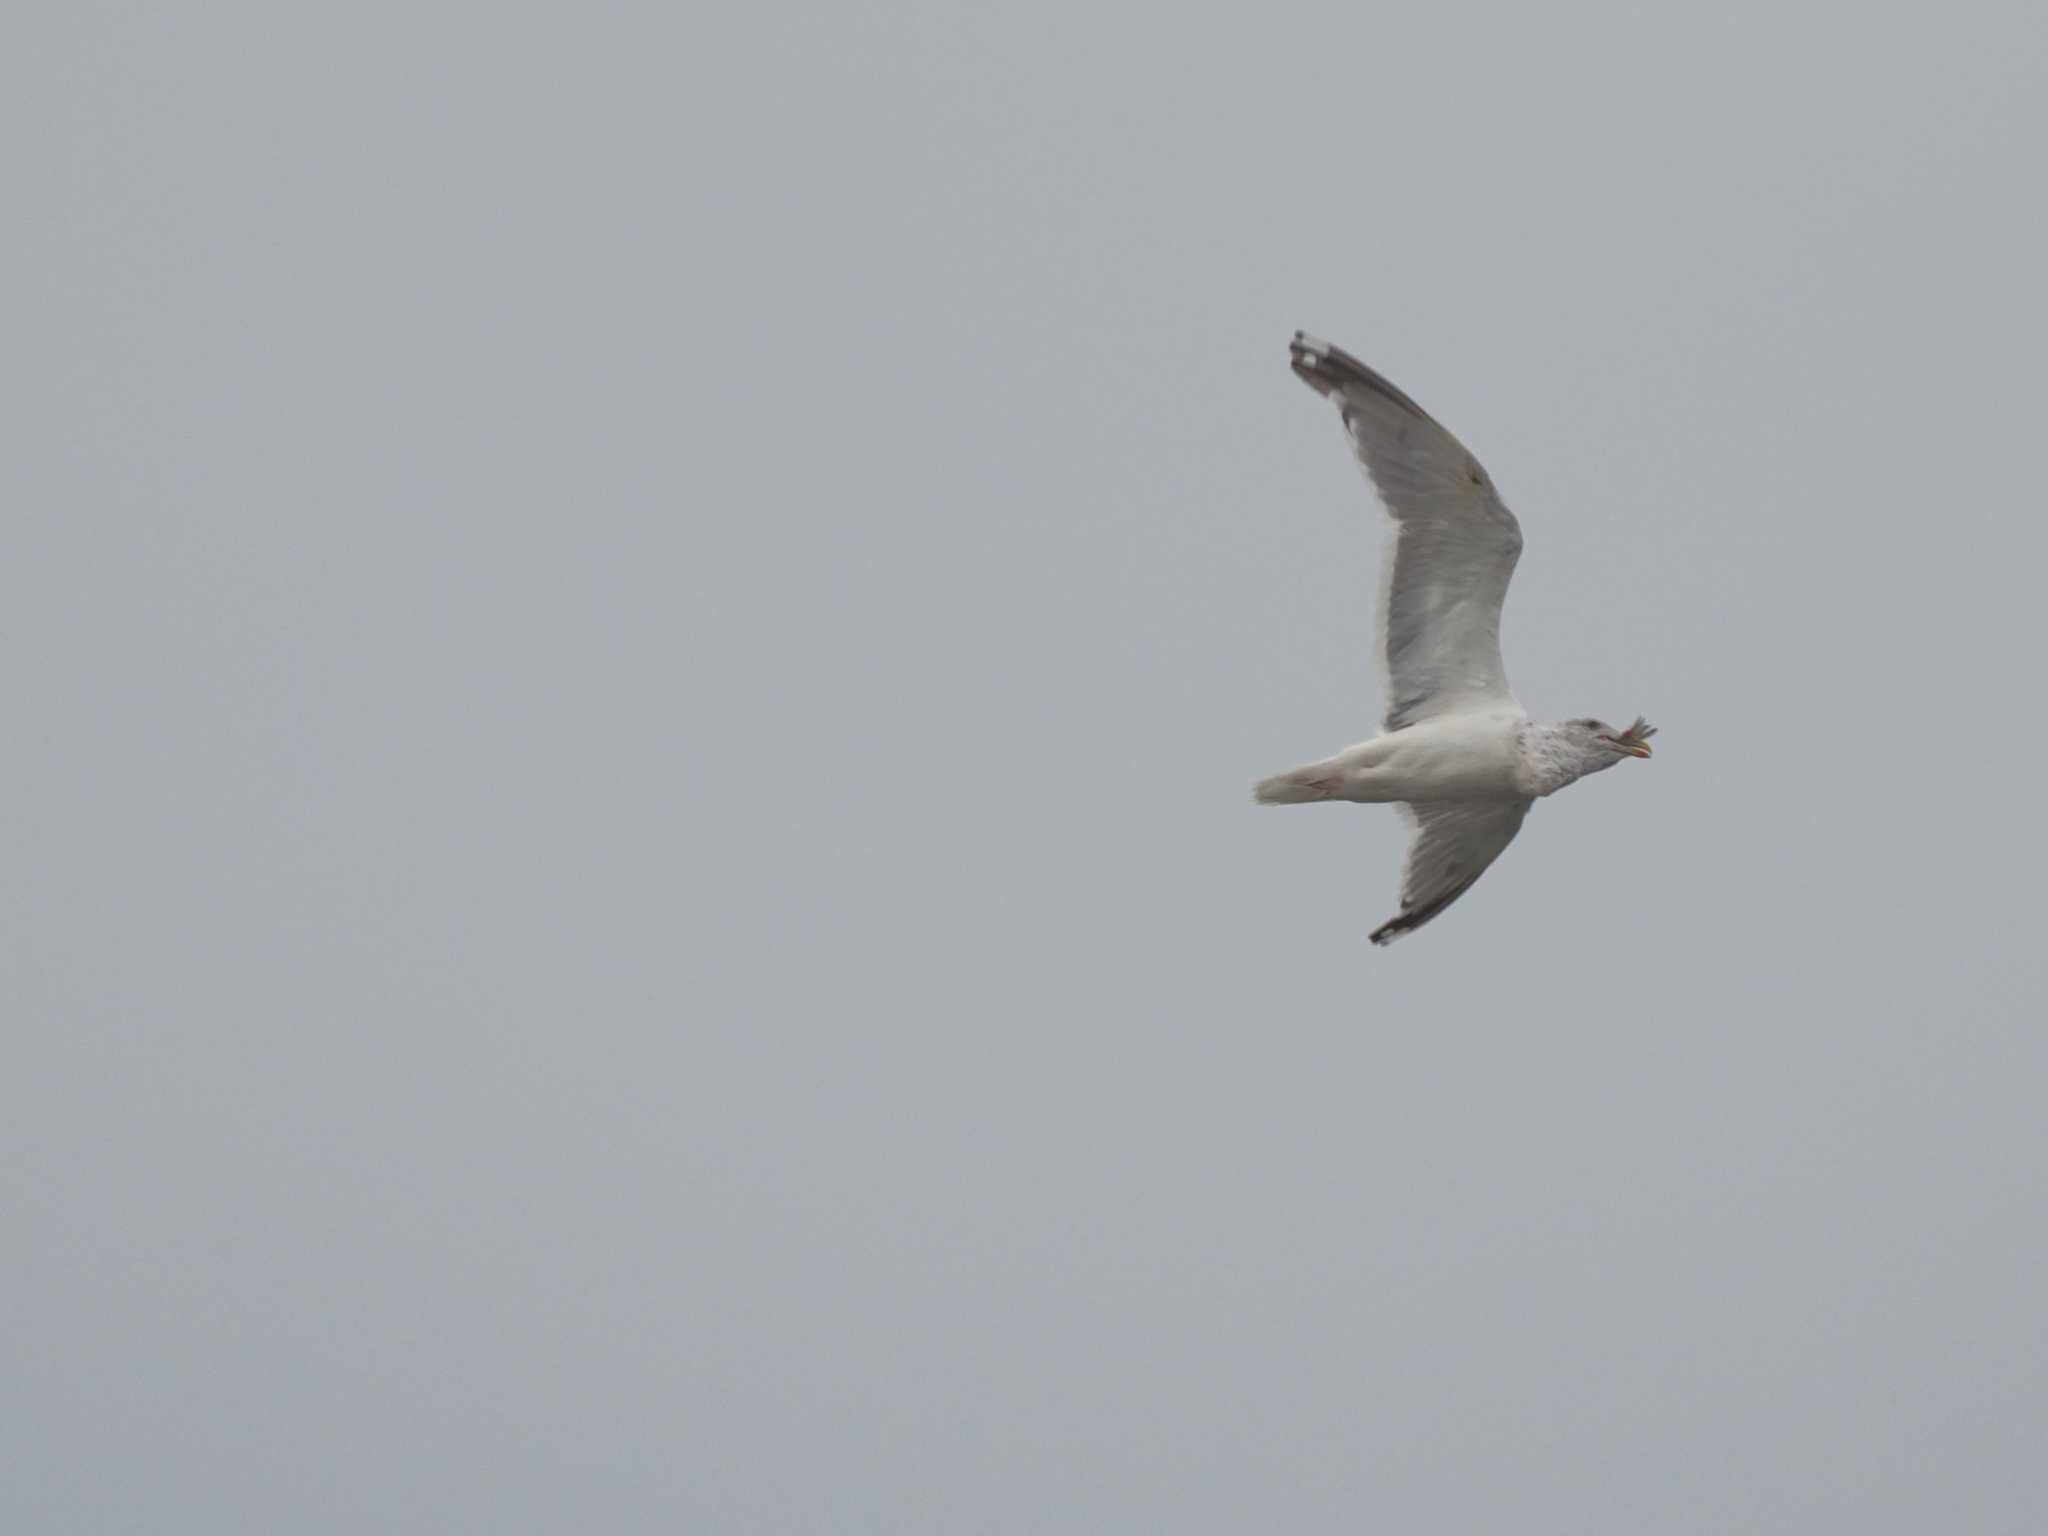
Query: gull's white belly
(1462, 757)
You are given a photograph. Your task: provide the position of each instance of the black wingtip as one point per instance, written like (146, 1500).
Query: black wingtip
(1325, 368)
(1394, 927)
(1410, 919)
(1306, 355)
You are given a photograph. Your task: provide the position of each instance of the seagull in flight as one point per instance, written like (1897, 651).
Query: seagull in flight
(1456, 753)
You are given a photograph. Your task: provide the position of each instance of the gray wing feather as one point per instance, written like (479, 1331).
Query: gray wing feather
(1454, 842)
(1455, 543)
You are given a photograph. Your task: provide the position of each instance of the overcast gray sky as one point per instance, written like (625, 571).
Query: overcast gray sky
(635, 644)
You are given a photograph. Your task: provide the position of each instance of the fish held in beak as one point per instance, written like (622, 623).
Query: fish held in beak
(1635, 741)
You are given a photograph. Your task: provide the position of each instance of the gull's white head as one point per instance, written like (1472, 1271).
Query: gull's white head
(1600, 745)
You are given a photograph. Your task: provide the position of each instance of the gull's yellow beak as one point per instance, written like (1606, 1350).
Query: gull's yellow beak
(1635, 741)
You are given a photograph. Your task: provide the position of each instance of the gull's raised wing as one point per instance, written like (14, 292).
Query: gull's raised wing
(1454, 842)
(1455, 543)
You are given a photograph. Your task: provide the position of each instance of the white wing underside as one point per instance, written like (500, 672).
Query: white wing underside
(1454, 544)
(1454, 842)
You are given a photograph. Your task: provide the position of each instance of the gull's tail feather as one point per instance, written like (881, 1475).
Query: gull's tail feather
(1300, 786)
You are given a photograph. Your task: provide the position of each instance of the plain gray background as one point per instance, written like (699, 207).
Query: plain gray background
(635, 643)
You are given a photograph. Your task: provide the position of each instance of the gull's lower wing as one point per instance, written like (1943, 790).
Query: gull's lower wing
(1454, 842)
(1455, 543)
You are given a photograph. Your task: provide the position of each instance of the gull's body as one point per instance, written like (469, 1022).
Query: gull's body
(1458, 752)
